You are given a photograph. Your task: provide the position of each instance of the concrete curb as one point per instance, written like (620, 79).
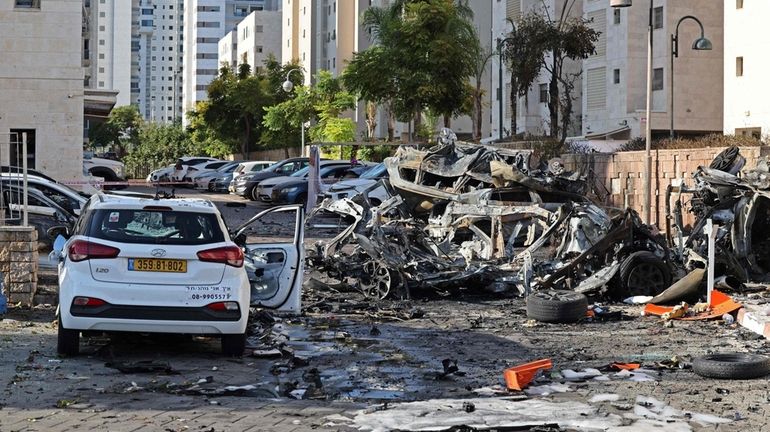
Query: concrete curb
(755, 319)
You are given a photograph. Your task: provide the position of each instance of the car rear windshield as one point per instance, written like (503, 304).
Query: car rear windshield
(155, 227)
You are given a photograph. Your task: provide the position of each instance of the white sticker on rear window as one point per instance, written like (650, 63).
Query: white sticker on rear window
(114, 217)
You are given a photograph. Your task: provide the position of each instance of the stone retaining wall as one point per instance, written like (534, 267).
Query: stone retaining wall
(622, 174)
(19, 263)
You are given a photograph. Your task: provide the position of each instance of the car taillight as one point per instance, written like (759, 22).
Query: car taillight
(81, 250)
(88, 302)
(230, 255)
(223, 306)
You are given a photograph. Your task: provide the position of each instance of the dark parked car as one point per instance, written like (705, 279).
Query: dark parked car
(245, 185)
(295, 190)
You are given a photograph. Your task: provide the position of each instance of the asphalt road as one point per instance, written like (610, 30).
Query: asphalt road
(346, 356)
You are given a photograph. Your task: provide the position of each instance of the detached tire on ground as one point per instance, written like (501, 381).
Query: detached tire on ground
(732, 366)
(555, 306)
(233, 345)
(643, 273)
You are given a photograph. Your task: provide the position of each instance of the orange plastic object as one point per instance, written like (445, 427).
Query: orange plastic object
(721, 304)
(625, 366)
(519, 377)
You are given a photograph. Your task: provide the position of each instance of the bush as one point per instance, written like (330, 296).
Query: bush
(376, 153)
(713, 140)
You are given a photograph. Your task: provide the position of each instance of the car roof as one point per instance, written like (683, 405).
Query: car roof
(122, 202)
(257, 162)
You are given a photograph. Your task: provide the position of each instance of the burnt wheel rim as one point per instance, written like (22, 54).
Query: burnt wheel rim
(556, 295)
(646, 279)
(376, 282)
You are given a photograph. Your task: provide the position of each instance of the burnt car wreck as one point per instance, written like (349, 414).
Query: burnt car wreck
(473, 216)
(739, 208)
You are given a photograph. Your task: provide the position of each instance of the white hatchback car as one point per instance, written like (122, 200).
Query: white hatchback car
(169, 266)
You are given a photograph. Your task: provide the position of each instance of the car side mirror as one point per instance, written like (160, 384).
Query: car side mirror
(59, 230)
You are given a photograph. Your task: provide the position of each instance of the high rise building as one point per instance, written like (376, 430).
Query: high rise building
(156, 66)
(746, 95)
(205, 23)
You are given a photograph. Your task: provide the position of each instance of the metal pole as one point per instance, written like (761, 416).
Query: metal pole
(500, 89)
(648, 135)
(24, 168)
(711, 232)
(302, 146)
(671, 92)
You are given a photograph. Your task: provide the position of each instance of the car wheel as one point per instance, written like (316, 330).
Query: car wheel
(732, 366)
(253, 194)
(211, 186)
(557, 306)
(233, 345)
(68, 341)
(644, 274)
(301, 199)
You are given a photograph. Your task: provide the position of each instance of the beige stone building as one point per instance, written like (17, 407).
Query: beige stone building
(41, 84)
(615, 79)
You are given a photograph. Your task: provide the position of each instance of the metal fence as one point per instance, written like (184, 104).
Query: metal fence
(14, 197)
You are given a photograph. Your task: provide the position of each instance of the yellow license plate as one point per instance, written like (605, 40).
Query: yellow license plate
(157, 265)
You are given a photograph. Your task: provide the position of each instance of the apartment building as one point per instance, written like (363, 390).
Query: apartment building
(107, 46)
(322, 34)
(746, 92)
(41, 89)
(205, 23)
(259, 36)
(228, 50)
(156, 68)
(533, 117)
(134, 47)
(615, 79)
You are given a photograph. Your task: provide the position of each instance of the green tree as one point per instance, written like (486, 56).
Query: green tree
(420, 58)
(236, 102)
(120, 131)
(323, 104)
(160, 145)
(231, 120)
(560, 37)
(522, 51)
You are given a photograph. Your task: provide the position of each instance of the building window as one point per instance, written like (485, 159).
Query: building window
(101, 70)
(657, 79)
(616, 16)
(28, 4)
(334, 62)
(102, 15)
(754, 132)
(259, 49)
(739, 66)
(739, 4)
(101, 56)
(101, 84)
(102, 28)
(258, 29)
(657, 17)
(101, 41)
(303, 33)
(543, 93)
(17, 149)
(616, 76)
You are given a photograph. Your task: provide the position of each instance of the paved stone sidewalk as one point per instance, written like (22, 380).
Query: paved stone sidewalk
(236, 414)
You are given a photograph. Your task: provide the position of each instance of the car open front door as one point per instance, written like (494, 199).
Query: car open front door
(276, 265)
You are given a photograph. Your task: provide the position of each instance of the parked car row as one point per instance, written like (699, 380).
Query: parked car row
(287, 181)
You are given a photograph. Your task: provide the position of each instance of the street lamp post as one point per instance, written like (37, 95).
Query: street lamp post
(646, 204)
(501, 95)
(288, 86)
(700, 44)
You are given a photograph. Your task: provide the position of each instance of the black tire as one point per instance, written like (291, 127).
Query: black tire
(233, 345)
(732, 366)
(555, 306)
(643, 273)
(68, 341)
